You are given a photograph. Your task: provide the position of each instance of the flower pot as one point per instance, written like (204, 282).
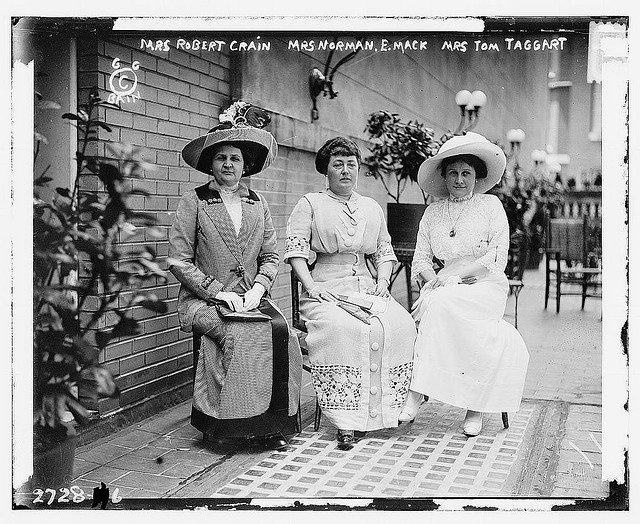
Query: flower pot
(403, 221)
(53, 457)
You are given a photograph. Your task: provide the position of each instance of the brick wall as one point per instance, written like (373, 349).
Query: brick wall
(181, 95)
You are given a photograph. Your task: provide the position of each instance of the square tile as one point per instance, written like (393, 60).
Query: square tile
(364, 487)
(400, 482)
(308, 480)
(268, 485)
(297, 489)
(280, 476)
(229, 491)
(463, 480)
(372, 478)
(325, 493)
(241, 482)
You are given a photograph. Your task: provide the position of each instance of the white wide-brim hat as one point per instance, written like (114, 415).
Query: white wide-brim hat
(433, 183)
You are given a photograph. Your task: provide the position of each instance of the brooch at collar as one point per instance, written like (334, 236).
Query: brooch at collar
(247, 200)
(214, 201)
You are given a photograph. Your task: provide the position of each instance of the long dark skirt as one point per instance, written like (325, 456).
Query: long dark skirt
(248, 375)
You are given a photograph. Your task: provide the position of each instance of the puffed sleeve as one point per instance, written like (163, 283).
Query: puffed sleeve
(297, 243)
(268, 258)
(182, 242)
(423, 255)
(495, 259)
(384, 249)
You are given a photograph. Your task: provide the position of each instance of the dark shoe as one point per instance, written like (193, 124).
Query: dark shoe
(276, 442)
(346, 439)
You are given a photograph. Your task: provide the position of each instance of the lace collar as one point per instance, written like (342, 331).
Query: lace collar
(461, 199)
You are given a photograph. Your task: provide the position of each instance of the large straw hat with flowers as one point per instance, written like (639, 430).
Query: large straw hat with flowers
(241, 126)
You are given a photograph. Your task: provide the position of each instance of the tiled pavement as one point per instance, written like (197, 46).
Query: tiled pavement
(551, 449)
(429, 458)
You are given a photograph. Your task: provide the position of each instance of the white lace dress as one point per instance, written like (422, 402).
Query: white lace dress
(466, 355)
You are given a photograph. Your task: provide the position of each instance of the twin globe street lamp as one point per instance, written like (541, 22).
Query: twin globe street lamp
(469, 104)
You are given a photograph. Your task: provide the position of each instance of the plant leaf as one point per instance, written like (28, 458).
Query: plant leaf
(126, 327)
(103, 337)
(151, 302)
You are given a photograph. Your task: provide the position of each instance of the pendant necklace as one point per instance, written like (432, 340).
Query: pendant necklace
(452, 233)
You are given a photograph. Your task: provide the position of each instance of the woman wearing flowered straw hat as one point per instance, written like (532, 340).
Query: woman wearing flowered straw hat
(223, 252)
(466, 355)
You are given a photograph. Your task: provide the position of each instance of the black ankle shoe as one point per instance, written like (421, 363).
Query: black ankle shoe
(276, 442)
(346, 440)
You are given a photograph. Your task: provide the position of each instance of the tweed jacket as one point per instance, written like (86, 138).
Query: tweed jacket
(207, 256)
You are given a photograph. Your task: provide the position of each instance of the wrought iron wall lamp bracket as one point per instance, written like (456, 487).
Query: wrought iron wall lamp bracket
(322, 81)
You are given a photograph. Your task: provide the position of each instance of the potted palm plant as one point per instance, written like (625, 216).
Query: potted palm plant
(398, 150)
(527, 198)
(82, 280)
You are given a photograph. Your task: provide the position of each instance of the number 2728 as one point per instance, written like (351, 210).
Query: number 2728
(48, 496)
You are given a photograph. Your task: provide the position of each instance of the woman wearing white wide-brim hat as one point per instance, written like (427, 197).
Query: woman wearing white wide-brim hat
(465, 355)
(223, 251)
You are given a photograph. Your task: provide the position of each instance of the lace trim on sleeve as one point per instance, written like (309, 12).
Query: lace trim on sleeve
(384, 253)
(295, 246)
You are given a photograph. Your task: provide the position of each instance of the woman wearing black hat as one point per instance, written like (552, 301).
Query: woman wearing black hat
(223, 252)
(360, 339)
